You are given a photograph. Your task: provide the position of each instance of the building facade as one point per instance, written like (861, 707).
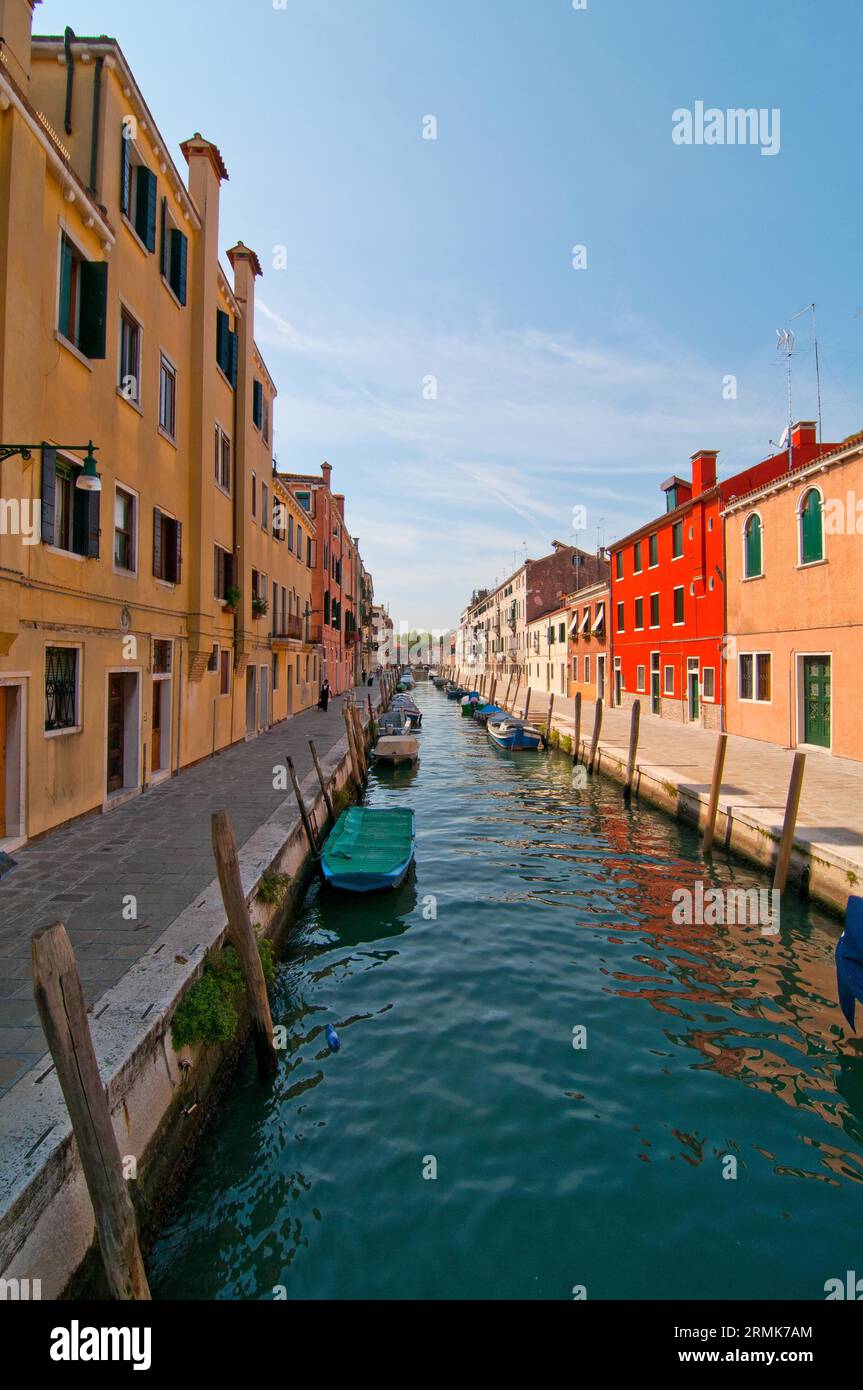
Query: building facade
(546, 667)
(794, 613)
(589, 632)
(668, 594)
(138, 593)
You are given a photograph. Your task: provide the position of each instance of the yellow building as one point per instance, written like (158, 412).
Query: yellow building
(546, 653)
(146, 624)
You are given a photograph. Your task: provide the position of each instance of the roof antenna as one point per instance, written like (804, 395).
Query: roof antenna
(810, 308)
(785, 345)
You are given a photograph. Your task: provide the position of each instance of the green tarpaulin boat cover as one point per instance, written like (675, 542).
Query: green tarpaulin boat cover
(370, 841)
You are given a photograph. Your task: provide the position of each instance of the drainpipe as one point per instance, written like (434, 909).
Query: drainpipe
(94, 137)
(791, 669)
(68, 36)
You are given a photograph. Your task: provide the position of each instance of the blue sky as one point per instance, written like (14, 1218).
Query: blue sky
(452, 258)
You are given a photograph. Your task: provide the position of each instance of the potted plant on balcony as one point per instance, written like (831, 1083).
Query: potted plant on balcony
(259, 606)
(232, 599)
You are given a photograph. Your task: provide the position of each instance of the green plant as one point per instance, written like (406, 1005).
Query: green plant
(566, 743)
(207, 1012)
(260, 606)
(273, 887)
(232, 596)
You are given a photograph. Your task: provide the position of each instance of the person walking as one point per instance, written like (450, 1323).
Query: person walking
(325, 696)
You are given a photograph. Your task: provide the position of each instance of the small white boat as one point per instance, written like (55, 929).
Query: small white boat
(397, 749)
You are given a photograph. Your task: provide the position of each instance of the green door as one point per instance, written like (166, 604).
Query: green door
(816, 700)
(655, 702)
(693, 694)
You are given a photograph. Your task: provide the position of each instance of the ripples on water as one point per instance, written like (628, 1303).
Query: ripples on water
(556, 1167)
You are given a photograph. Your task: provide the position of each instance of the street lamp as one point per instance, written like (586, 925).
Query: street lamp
(87, 481)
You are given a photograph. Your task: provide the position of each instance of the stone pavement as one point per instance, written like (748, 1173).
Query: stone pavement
(156, 847)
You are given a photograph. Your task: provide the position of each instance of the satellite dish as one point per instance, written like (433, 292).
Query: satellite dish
(783, 438)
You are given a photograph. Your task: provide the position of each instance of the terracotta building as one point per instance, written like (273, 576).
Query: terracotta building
(589, 632)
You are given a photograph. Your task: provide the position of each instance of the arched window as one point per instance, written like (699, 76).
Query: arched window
(811, 527)
(752, 548)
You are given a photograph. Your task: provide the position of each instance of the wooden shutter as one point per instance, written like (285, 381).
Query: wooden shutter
(125, 175)
(145, 212)
(163, 237)
(94, 308)
(49, 488)
(233, 339)
(157, 543)
(179, 263)
(92, 526)
(257, 403)
(222, 340)
(178, 561)
(64, 319)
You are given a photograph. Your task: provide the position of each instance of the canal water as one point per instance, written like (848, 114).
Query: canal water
(459, 1145)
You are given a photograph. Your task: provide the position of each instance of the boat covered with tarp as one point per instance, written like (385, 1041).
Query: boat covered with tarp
(368, 849)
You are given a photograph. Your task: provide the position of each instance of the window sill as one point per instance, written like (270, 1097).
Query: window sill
(170, 438)
(750, 578)
(223, 490)
(130, 227)
(172, 292)
(165, 583)
(64, 733)
(124, 573)
(129, 401)
(67, 554)
(226, 379)
(810, 564)
(75, 351)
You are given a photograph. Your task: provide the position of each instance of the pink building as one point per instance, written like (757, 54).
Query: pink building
(794, 605)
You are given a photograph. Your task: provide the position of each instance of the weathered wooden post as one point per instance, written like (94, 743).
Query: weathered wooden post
(526, 703)
(548, 720)
(355, 764)
(60, 1002)
(576, 727)
(715, 789)
(493, 689)
(633, 747)
(304, 815)
(597, 726)
(795, 786)
(371, 719)
(360, 740)
(328, 801)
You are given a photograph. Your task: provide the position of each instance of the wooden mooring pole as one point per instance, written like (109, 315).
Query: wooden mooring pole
(304, 815)
(324, 788)
(527, 703)
(355, 762)
(715, 789)
(60, 1002)
(548, 720)
(633, 747)
(242, 937)
(597, 726)
(792, 804)
(576, 727)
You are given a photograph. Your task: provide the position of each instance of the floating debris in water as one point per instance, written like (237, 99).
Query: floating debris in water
(333, 1038)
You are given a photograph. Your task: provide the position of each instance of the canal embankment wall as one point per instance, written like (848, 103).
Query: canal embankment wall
(160, 1099)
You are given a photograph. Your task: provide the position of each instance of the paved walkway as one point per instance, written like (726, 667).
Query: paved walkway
(156, 847)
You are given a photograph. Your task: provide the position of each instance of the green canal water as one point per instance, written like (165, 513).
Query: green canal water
(600, 1166)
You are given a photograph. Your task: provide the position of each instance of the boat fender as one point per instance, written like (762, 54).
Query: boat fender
(333, 1038)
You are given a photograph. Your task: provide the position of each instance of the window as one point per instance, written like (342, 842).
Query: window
(275, 672)
(639, 678)
(257, 404)
(305, 501)
(575, 668)
(173, 254)
(124, 530)
(653, 551)
(618, 561)
(138, 192)
(70, 517)
(213, 660)
(226, 347)
(130, 357)
(561, 632)
(223, 459)
(668, 681)
(678, 605)
(223, 572)
(162, 657)
(587, 669)
(752, 557)
(61, 688)
(82, 310)
(639, 613)
(636, 558)
(708, 682)
(265, 428)
(811, 527)
(300, 541)
(254, 494)
(620, 611)
(167, 397)
(167, 547)
(677, 540)
(754, 682)
(225, 673)
(654, 610)
(265, 506)
(290, 531)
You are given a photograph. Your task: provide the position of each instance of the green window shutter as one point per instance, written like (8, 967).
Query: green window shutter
(85, 523)
(233, 339)
(163, 237)
(178, 553)
(257, 403)
(64, 322)
(157, 543)
(753, 547)
(49, 488)
(125, 175)
(94, 308)
(222, 340)
(179, 264)
(145, 212)
(812, 545)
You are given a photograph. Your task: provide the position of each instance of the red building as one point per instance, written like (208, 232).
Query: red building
(333, 619)
(668, 589)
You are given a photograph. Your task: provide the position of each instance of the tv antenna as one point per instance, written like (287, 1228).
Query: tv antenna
(785, 346)
(807, 309)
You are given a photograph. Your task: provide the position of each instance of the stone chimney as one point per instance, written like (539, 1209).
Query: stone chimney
(804, 432)
(703, 471)
(339, 499)
(16, 25)
(326, 473)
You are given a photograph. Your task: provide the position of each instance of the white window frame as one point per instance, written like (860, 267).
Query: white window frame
(136, 516)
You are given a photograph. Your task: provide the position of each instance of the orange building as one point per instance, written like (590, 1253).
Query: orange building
(794, 617)
(589, 628)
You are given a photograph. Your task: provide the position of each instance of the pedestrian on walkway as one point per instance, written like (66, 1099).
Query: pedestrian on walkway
(325, 696)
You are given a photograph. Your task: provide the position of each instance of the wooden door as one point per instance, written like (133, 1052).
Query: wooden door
(816, 700)
(116, 713)
(156, 749)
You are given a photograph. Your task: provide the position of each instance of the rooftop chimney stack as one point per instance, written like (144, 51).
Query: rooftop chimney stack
(327, 473)
(703, 471)
(16, 24)
(804, 432)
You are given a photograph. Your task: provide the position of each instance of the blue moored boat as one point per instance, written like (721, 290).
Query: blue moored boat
(511, 733)
(483, 713)
(368, 850)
